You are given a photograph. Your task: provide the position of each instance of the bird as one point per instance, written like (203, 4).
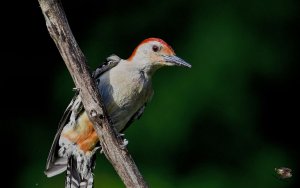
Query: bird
(125, 86)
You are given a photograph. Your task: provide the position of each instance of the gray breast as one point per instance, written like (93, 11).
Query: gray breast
(123, 96)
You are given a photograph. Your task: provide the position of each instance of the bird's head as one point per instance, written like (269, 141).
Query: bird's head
(153, 53)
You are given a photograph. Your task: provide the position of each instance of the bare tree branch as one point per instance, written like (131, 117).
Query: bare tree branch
(75, 61)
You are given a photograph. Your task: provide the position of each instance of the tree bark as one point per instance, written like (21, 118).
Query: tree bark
(75, 61)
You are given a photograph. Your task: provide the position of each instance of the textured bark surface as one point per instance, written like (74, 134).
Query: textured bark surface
(75, 61)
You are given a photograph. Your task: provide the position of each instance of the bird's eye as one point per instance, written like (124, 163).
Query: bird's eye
(155, 48)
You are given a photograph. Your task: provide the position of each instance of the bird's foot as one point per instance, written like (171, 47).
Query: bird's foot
(124, 140)
(121, 135)
(76, 89)
(95, 149)
(124, 144)
(101, 150)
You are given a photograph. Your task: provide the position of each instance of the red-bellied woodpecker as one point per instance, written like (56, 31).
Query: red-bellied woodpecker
(125, 87)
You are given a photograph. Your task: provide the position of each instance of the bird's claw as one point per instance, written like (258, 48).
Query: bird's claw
(121, 135)
(76, 89)
(124, 144)
(95, 149)
(124, 140)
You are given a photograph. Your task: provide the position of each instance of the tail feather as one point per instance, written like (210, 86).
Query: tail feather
(56, 167)
(75, 178)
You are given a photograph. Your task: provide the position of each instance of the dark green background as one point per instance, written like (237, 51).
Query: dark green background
(225, 123)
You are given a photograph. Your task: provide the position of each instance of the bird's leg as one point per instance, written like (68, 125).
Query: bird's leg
(124, 140)
(76, 89)
(121, 135)
(124, 144)
(101, 150)
(95, 149)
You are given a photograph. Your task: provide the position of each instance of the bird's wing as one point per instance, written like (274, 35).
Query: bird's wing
(135, 116)
(110, 62)
(138, 114)
(55, 164)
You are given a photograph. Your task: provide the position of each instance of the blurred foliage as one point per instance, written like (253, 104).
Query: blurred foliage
(216, 125)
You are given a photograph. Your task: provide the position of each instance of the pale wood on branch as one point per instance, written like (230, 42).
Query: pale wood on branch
(75, 61)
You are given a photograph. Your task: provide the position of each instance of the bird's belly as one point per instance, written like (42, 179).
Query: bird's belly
(123, 98)
(82, 134)
(121, 109)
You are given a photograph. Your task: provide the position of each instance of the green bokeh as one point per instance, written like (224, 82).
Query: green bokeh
(201, 128)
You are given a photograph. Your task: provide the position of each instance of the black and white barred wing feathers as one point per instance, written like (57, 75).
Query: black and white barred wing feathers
(55, 163)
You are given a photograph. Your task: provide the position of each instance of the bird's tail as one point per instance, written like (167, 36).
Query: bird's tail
(80, 173)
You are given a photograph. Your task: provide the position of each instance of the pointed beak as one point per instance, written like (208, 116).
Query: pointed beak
(176, 61)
